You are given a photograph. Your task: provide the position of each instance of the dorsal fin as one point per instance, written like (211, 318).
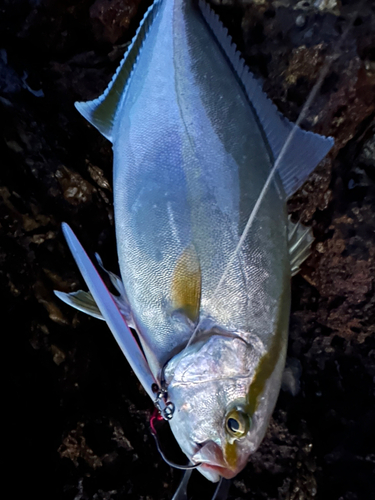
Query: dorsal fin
(101, 111)
(305, 150)
(186, 284)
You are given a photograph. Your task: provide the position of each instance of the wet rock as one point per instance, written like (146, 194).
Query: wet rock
(74, 447)
(75, 189)
(112, 18)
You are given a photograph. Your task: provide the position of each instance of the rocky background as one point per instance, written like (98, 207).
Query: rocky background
(77, 419)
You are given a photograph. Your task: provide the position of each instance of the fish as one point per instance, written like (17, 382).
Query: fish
(203, 165)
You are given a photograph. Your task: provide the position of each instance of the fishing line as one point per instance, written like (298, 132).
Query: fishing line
(323, 73)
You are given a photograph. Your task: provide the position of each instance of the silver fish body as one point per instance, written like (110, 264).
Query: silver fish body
(194, 142)
(183, 179)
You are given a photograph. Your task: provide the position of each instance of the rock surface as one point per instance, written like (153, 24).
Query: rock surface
(78, 420)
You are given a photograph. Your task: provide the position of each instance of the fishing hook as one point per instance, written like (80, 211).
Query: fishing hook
(157, 417)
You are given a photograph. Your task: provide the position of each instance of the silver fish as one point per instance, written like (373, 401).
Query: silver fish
(194, 141)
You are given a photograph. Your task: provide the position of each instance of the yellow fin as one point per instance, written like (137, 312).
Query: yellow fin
(186, 284)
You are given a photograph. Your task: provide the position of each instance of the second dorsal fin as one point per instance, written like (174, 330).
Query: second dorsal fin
(305, 149)
(101, 111)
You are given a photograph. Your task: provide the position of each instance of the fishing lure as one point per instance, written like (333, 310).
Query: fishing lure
(206, 250)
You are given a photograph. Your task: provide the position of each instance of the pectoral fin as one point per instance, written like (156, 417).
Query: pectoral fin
(84, 301)
(300, 239)
(186, 284)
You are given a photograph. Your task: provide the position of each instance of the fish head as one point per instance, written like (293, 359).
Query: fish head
(214, 421)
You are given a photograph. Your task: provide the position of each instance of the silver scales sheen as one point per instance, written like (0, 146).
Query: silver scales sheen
(208, 294)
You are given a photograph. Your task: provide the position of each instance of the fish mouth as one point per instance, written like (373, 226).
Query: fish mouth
(217, 469)
(212, 461)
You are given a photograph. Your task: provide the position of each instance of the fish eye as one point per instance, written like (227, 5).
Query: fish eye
(237, 423)
(233, 425)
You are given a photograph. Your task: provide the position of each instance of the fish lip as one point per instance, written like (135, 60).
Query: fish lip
(210, 457)
(225, 472)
